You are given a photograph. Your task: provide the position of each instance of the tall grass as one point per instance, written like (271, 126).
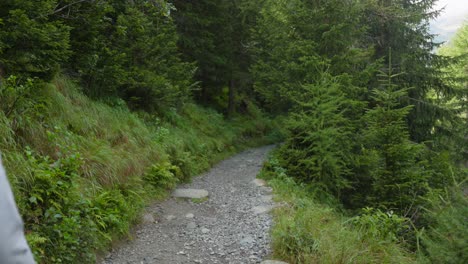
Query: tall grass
(309, 229)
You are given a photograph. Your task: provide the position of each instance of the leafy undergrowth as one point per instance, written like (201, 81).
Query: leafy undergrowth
(82, 170)
(310, 227)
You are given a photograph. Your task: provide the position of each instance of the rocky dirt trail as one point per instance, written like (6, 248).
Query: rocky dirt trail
(230, 226)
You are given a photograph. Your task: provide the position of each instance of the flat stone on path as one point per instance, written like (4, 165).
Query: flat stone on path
(261, 209)
(148, 218)
(190, 193)
(170, 217)
(247, 241)
(266, 198)
(259, 182)
(266, 190)
(189, 215)
(191, 225)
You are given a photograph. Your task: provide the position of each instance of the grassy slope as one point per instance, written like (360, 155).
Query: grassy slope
(309, 231)
(82, 170)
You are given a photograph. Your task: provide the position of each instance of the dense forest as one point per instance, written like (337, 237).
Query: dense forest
(106, 105)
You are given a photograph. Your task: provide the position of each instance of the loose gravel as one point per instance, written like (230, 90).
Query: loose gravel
(231, 226)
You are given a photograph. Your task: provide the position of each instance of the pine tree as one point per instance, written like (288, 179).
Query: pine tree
(319, 143)
(403, 27)
(393, 172)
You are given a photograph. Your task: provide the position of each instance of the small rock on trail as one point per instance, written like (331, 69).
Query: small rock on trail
(261, 209)
(148, 218)
(259, 182)
(190, 193)
(230, 227)
(189, 215)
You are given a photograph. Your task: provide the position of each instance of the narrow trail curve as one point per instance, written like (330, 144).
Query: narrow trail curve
(231, 227)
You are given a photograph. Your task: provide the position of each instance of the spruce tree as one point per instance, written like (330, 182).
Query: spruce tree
(319, 144)
(403, 27)
(393, 172)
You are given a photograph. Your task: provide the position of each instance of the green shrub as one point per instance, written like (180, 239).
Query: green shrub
(446, 238)
(15, 96)
(57, 214)
(163, 175)
(187, 163)
(21, 101)
(113, 213)
(374, 223)
(309, 231)
(64, 225)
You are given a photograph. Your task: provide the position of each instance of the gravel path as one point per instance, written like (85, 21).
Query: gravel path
(231, 226)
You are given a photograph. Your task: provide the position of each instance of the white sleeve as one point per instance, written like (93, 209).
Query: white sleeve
(13, 246)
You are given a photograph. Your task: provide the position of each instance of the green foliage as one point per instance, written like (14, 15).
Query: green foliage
(308, 231)
(214, 34)
(293, 41)
(31, 43)
(403, 28)
(445, 241)
(7, 141)
(456, 48)
(113, 212)
(352, 138)
(84, 179)
(137, 59)
(385, 226)
(64, 225)
(58, 215)
(163, 175)
(318, 146)
(203, 31)
(276, 78)
(15, 96)
(20, 101)
(394, 164)
(127, 51)
(454, 133)
(364, 158)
